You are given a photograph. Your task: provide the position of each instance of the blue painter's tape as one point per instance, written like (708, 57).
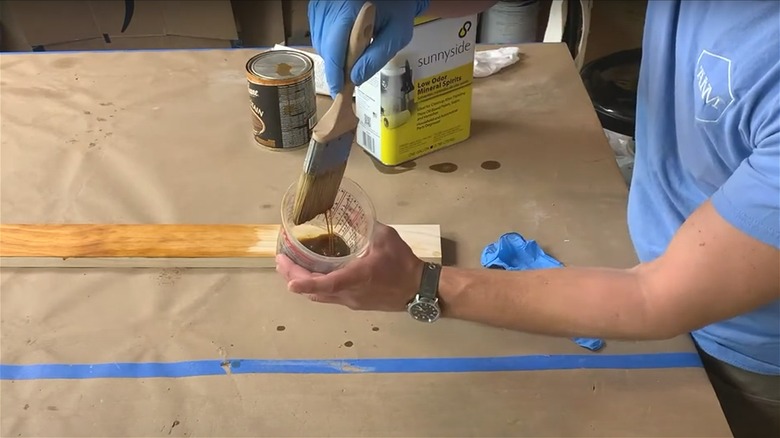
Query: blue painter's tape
(348, 366)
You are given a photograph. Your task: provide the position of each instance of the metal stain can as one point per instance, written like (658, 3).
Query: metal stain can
(283, 99)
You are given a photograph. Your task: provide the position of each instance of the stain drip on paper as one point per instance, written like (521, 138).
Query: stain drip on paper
(169, 276)
(444, 167)
(490, 165)
(175, 423)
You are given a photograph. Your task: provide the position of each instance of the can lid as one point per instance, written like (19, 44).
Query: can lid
(280, 64)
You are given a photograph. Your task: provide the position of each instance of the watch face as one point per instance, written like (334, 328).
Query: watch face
(423, 311)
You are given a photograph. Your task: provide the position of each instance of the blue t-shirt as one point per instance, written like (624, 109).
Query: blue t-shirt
(708, 127)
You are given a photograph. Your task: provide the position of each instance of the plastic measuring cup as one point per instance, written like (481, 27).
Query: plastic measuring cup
(352, 218)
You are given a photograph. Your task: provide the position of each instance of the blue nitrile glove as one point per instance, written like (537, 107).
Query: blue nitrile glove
(330, 23)
(513, 253)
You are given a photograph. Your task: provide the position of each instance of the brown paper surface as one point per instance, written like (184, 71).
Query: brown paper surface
(164, 137)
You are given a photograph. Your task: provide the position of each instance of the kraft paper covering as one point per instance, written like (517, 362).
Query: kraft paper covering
(165, 137)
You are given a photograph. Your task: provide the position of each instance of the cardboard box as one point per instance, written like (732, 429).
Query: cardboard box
(269, 22)
(296, 22)
(420, 101)
(260, 23)
(37, 25)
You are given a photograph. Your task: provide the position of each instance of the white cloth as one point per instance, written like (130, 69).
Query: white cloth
(486, 63)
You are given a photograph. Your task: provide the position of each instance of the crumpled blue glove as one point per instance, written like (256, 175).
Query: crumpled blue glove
(330, 23)
(514, 253)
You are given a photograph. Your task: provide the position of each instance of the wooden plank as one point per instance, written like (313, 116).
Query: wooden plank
(165, 245)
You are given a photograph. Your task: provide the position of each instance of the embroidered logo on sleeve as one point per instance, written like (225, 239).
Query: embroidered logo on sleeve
(712, 87)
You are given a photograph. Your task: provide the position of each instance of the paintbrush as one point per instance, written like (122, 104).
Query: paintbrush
(332, 136)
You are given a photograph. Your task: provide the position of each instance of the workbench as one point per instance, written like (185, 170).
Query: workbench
(165, 137)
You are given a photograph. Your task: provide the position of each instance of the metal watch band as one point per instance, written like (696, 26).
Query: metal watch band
(429, 282)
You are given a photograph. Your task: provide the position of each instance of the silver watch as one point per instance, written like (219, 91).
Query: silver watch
(424, 307)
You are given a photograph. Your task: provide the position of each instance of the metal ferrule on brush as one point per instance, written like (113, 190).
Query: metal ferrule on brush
(328, 155)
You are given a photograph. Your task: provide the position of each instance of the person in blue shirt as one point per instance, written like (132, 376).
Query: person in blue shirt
(703, 212)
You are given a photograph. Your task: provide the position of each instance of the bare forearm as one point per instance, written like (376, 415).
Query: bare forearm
(710, 272)
(574, 302)
(457, 8)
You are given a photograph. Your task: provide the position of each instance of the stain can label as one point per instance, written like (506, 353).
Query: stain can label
(282, 98)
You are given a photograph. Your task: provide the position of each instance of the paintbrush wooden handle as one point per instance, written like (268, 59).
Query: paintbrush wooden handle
(341, 118)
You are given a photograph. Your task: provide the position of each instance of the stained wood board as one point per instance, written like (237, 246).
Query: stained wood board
(165, 245)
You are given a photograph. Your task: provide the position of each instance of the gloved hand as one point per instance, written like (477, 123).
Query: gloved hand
(330, 23)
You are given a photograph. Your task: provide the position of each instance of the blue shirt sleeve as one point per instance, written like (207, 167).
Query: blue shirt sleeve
(750, 198)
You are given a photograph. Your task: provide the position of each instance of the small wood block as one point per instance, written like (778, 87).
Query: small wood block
(164, 245)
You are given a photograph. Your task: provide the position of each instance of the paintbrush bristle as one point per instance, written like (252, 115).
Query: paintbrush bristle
(316, 194)
(323, 170)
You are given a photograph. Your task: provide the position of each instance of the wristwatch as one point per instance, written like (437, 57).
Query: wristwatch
(424, 307)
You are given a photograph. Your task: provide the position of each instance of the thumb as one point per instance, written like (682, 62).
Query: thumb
(385, 46)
